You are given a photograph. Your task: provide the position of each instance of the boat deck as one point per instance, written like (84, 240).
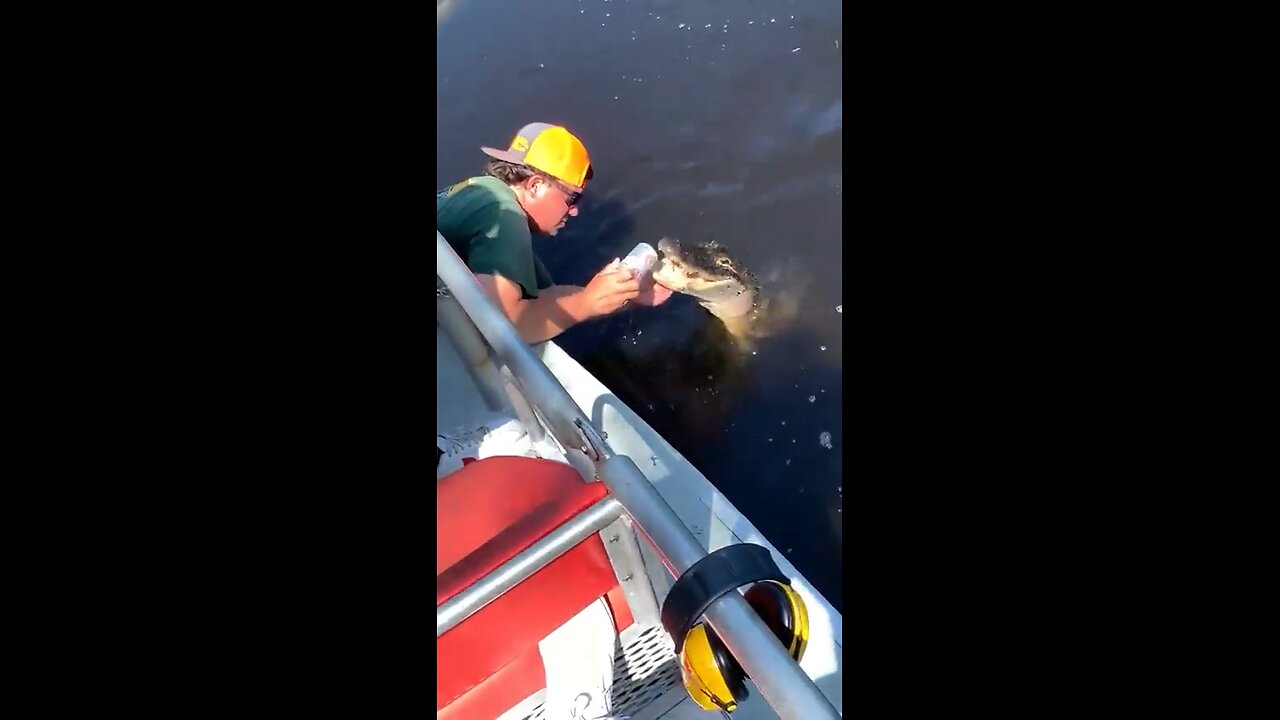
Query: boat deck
(646, 683)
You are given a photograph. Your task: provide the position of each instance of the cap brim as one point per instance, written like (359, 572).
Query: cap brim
(505, 155)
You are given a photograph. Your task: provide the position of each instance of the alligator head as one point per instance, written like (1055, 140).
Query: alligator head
(707, 273)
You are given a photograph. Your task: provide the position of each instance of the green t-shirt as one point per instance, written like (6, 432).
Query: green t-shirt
(484, 223)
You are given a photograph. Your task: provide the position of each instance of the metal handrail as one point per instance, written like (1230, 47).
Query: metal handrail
(781, 681)
(525, 563)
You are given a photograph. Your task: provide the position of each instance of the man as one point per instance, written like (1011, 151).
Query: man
(534, 186)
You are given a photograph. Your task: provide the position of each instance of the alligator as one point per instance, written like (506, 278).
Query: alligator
(722, 286)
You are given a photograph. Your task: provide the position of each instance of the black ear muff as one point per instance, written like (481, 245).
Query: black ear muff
(773, 604)
(783, 610)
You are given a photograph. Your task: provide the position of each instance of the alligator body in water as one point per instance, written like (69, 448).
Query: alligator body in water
(722, 286)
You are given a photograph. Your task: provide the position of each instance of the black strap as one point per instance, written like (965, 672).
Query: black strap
(715, 575)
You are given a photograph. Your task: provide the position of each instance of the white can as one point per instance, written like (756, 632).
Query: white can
(641, 259)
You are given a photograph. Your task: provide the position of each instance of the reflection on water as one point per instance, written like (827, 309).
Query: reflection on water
(443, 8)
(718, 120)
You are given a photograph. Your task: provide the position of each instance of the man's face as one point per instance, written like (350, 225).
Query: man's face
(551, 202)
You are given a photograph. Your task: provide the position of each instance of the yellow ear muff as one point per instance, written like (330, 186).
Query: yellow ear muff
(802, 623)
(710, 674)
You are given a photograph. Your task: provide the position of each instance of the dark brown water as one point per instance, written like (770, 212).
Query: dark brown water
(725, 133)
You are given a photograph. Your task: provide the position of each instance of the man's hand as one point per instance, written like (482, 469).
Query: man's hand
(610, 289)
(652, 292)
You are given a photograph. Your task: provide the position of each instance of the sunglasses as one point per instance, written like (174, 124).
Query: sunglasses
(571, 197)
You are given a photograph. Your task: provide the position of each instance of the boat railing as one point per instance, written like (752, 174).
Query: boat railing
(781, 681)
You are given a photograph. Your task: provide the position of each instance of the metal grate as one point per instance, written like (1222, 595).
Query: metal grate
(643, 670)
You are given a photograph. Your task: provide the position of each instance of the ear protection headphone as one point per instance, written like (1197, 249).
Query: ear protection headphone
(710, 673)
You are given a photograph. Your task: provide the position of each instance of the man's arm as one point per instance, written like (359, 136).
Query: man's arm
(555, 310)
(559, 307)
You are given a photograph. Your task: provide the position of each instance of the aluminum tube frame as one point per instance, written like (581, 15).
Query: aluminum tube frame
(527, 562)
(535, 378)
(471, 349)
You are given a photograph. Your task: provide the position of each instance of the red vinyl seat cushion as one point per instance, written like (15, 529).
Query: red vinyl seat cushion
(487, 512)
